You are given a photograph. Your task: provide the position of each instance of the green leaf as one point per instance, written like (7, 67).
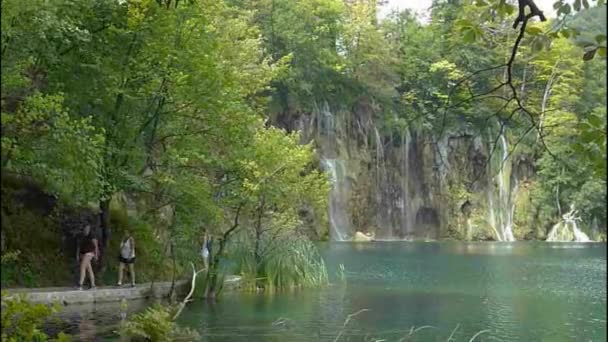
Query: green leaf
(601, 51)
(509, 9)
(469, 35)
(587, 137)
(587, 45)
(534, 30)
(577, 5)
(600, 38)
(586, 4)
(537, 45)
(463, 23)
(557, 5)
(594, 120)
(565, 9)
(589, 55)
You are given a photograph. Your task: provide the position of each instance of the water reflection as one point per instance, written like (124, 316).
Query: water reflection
(518, 291)
(87, 330)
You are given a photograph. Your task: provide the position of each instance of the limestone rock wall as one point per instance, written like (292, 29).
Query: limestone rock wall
(410, 184)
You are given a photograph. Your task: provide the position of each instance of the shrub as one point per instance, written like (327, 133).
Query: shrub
(156, 324)
(21, 320)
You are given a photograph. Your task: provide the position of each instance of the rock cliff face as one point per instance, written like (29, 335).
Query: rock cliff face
(409, 184)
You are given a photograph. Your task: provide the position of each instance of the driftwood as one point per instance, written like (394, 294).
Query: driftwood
(186, 300)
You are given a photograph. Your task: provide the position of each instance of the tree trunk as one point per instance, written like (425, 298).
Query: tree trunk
(104, 224)
(258, 237)
(213, 272)
(214, 260)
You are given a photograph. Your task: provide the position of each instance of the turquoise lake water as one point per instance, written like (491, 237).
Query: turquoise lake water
(522, 291)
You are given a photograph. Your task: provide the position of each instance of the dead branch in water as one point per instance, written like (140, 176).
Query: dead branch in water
(479, 333)
(453, 332)
(182, 305)
(348, 318)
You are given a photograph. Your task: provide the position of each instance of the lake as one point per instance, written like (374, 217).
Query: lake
(521, 291)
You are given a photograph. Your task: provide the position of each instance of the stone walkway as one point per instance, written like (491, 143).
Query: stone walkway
(67, 296)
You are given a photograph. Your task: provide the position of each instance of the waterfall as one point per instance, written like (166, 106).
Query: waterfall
(492, 215)
(579, 235)
(328, 124)
(505, 192)
(501, 213)
(560, 231)
(383, 188)
(379, 165)
(407, 219)
(338, 216)
(469, 230)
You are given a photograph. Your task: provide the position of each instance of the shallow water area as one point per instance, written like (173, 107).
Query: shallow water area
(517, 291)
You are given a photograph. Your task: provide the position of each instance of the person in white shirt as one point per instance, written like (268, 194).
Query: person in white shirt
(127, 257)
(206, 250)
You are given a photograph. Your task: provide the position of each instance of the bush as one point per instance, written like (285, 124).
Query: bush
(156, 324)
(21, 320)
(38, 240)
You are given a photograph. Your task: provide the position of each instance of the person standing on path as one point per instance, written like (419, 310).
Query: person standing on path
(127, 257)
(206, 250)
(86, 251)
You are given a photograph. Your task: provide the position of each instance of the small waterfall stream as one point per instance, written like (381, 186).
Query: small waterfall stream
(567, 229)
(407, 219)
(506, 192)
(501, 209)
(340, 227)
(338, 216)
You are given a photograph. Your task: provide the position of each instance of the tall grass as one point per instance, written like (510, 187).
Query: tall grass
(288, 262)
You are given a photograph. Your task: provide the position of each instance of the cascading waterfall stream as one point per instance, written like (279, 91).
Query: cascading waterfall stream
(407, 221)
(338, 217)
(505, 192)
(567, 230)
(380, 179)
(501, 213)
(384, 200)
(338, 198)
(399, 183)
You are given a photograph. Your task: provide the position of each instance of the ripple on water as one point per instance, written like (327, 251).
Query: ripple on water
(519, 291)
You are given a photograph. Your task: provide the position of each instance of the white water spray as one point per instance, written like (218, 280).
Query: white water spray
(338, 217)
(567, 230)
(501, 213)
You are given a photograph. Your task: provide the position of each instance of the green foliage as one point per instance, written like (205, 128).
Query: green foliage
(32, 244)
(165, 104)
(40, 140)
(166, 101)
(289, 262)
(156, 324)
(10, 257)
(21, 320)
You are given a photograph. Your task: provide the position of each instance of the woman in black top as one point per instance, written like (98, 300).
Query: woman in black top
(87, 250)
